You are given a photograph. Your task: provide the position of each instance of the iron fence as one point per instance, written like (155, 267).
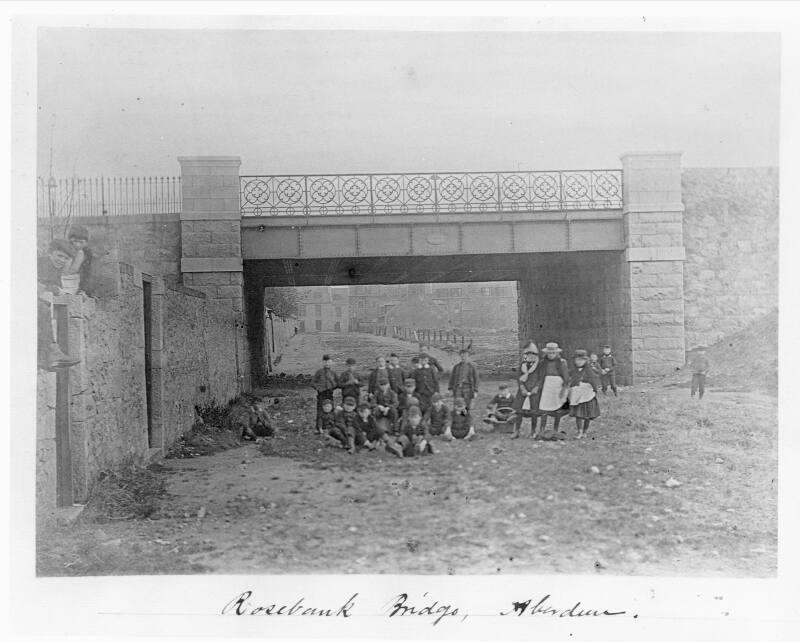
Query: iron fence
(336, 194)
(71, 197)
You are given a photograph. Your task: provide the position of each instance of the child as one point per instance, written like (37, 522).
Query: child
(386, 401)
(501, 407)
(424, 349)
(81, 263)
(413, 367)
(326, 421)
(461, 426)
(526, 402)
(407, 398)
(594, 364)
(375, 433)
(414, 438)
(700, 367)
(396, 374)
(464, 379)
(583, 384)
(348, 380)
(324, 382)
(608, 365)
(437, 418)
(552, 382)
(378, 374)
(49, 270)
(346, 430)
(426, 382)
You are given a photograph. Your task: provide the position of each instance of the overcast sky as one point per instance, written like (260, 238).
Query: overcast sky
(129, 102)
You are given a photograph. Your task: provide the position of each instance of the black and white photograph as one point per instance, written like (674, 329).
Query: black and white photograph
(434, 302)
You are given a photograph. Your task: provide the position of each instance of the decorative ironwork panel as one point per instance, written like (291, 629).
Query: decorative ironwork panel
(387, 194)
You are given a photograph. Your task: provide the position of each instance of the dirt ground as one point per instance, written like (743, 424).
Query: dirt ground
(600, 505)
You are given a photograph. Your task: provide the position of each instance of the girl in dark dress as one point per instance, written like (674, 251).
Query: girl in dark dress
(583, 383)
(526, 401)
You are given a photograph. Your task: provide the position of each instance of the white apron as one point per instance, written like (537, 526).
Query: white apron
(581, 393)
(553, 394)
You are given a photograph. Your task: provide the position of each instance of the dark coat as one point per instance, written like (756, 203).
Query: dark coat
(373, 379)
(470, 376)
(324, 380)
(527, 386)
(584, 375)
(426, 381)
(396, 378)
(349, 383)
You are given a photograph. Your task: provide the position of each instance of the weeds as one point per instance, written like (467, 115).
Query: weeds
(129, 492)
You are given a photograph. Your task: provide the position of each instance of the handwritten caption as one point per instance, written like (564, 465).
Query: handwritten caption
(402, 605)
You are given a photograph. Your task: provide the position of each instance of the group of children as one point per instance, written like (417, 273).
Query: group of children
(395, 408)
(402, 409)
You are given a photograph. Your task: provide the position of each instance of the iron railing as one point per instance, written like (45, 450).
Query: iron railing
(336, 194)
(71, 197)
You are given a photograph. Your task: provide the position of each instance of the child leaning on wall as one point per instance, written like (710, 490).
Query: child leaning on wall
(49, 269)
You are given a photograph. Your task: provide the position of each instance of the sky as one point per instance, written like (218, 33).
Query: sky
(125, 102)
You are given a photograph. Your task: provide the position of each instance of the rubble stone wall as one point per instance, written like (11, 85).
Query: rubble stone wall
(730, 231)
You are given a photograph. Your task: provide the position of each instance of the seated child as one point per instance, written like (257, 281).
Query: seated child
(375, 434)
(437, 418)
(501, 407)
(386, 404)
(414, 438)
(346, 430)
(326, 422)
(461, 426)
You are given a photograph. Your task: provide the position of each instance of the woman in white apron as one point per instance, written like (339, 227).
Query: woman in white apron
(526, 402)
(552, 377)
(583, 385)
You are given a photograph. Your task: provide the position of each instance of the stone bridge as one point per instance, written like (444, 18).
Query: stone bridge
(597, 254)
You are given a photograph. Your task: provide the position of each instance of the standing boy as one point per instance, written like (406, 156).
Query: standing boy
(700, 367)
(425, 349)
(396, 374)
(407, 398)
(324, 382)
(608, 366)
(426, 382)
(464, 379)
(348, 380)
(378, 374)
(81, 263)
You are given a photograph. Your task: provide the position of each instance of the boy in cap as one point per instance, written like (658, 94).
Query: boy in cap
(552, 381)
(346, 430)
(461, 426)
(324, 382)
(425, 349)
(378, 374)
(526, 402)
(81, 263)
(501, 407)
(608, 365)
(426, 382)
(407, 398)
(437, 417)
(700, 367)
(464, 379)
(348, 380)
(49, 270)
(395, 373)
(386, 401)
(327, 421)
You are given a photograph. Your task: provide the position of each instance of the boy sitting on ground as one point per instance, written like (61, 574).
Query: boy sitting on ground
(375, 433)
(414, 438)
(437, 418)
(501, 407)
(345, 430)
(326, 422)
(461, 426)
